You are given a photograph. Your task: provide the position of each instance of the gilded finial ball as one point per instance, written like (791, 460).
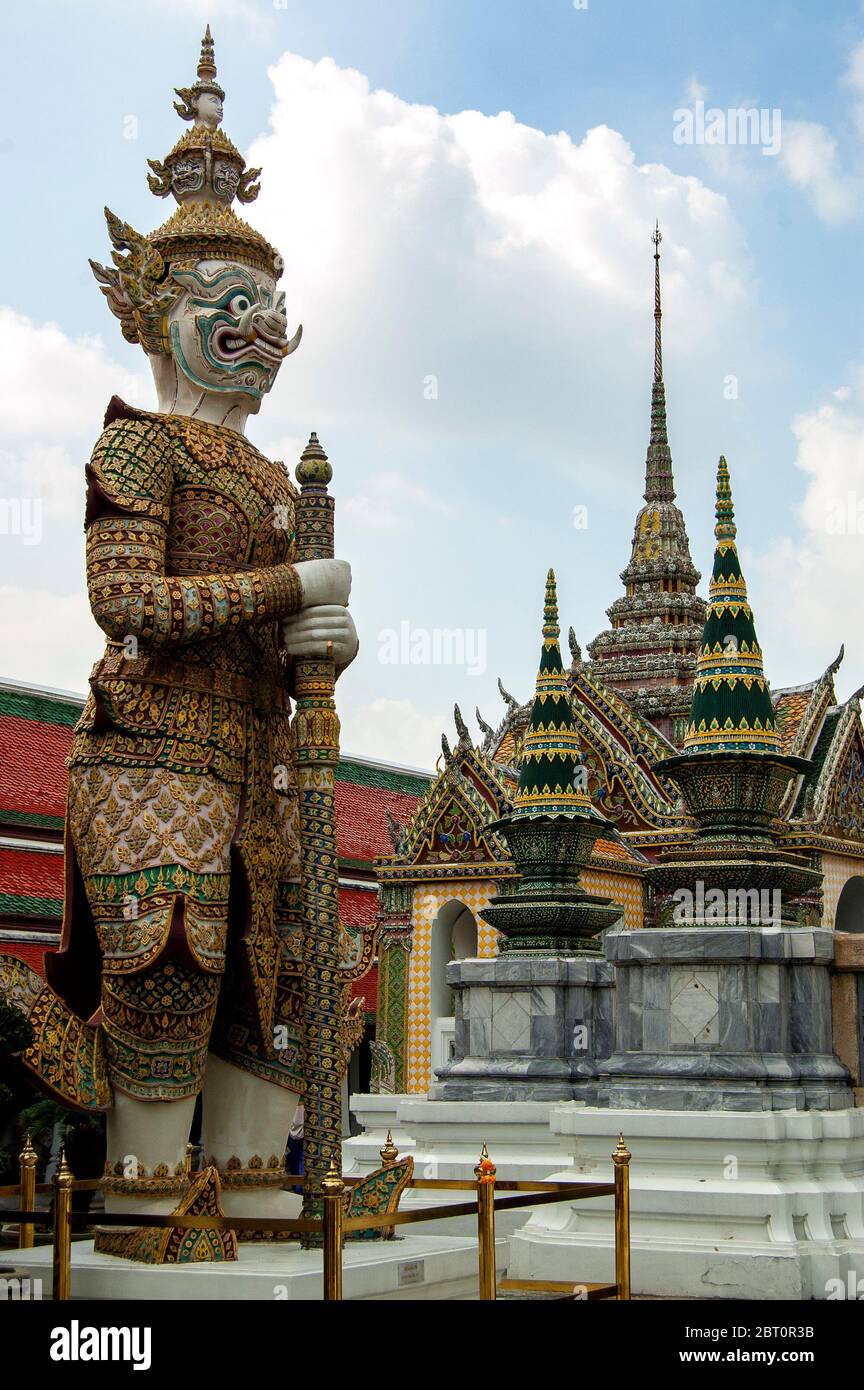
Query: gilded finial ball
(314, 466)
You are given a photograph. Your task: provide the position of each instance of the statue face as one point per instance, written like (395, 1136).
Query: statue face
(209, 109)
(227, 330)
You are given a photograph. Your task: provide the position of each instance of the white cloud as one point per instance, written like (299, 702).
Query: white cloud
(389, 501)
(474, 250)
(393, 730)
(809, 597)
(809, 157)
(55, 386)
(47, 638)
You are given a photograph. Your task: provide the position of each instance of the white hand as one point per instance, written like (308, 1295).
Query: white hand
(326, 631)
(324, 582)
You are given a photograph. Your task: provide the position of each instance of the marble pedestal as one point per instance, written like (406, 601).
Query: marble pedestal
(527, 1028)
(722, 1018)
(434, 1267)
(756, 1206)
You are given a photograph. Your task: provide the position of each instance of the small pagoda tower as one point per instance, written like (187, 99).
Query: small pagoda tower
(649, 651)
(729, 1000)
(552, 826)
(732, 772)
(536, 1021)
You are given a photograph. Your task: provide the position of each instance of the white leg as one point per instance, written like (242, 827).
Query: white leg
(147, 1133)
(246, 1117)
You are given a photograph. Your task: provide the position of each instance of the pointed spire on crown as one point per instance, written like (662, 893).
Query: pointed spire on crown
(552, 776)
(732, 707)
(189, 107)
(659, 483)
(207, 60)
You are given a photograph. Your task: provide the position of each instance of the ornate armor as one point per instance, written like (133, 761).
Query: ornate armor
(182, 769)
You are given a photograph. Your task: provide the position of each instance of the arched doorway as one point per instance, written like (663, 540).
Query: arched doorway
(454, 937)
(850, 906)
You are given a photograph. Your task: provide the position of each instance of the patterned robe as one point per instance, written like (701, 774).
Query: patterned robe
(181, 916)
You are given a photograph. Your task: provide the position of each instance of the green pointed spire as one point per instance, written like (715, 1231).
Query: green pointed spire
(732, 707)
(551, 778)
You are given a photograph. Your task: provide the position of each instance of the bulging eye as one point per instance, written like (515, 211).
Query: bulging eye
(240, 303)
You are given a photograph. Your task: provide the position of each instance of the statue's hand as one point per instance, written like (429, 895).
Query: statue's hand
(325, 631)
(324, 582)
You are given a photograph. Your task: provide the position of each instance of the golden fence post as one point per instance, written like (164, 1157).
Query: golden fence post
(621, 1159)
(485, 1175)
(62, 1230)
(332, 1188)
(27, 1172)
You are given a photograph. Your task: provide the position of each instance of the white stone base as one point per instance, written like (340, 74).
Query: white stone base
(445, 1138)
(378, 1115)
(416, 1267)
(758, 1205)
(724, 1204)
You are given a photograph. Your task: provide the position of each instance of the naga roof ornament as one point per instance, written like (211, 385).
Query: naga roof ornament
(204, 173)
(732, 706)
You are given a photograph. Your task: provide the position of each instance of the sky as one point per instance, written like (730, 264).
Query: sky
(464, 195)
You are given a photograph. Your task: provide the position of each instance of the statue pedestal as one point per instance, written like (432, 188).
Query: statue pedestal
(528, 1028)
(416, 1267)
(723, 1018)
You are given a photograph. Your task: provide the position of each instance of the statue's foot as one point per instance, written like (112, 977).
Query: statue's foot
(257, 1192)
(158, 1245)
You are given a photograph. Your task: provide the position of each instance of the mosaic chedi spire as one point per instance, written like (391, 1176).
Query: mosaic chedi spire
(552, 779)
(732, 705)
(552, 826)
(649, 652)
(732, 771)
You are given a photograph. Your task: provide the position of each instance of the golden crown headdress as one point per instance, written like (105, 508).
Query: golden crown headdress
(204, 172)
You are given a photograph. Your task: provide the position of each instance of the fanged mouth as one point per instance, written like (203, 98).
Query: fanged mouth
(230, 345)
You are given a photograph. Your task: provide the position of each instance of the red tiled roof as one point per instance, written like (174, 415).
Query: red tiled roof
(32, 955)
(367, 989)
(361, 819)
(358, 906)
(32, 768)
(31, 874)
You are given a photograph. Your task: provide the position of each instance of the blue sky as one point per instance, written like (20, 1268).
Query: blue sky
(509, 260)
